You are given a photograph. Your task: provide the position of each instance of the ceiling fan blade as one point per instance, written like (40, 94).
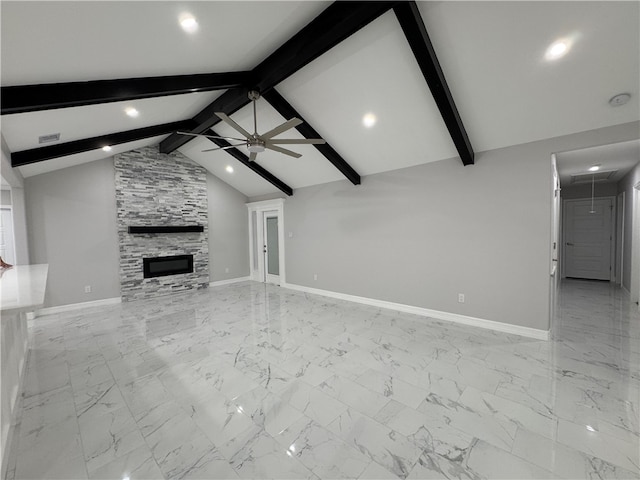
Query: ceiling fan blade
(224, 117)
(224, 148)
(282, 150)
(253, 156)
(209, 136)
(294, 122)
(294, 141)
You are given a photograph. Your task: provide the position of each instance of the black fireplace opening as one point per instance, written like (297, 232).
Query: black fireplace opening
(163, 266)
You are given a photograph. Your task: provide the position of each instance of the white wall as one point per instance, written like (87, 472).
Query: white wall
(228, 231)
(421, 235)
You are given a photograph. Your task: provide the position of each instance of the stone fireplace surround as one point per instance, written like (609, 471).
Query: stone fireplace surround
(156, 189)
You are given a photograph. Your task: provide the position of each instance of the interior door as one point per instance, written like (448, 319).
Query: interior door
(271, 248)
(588, 235)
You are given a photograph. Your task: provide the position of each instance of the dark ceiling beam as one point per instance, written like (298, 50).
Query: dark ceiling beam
(285, 109)
(337, 22)
(34, 155)
(414, 29)
(242, 158)
(47, 96)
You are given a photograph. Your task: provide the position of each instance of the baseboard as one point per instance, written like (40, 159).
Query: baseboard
(74, 306)
(229, 281)
(426, 312)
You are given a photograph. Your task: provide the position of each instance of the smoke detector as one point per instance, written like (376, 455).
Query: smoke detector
(619, 99)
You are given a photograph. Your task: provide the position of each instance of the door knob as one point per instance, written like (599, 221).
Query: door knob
(570, 244)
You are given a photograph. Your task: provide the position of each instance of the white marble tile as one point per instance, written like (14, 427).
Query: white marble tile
(433, 466)
(219, 381)
(267, 410)
(491, 462)
(564, 461)
(109, 436)
(392, 387)
(98, 400)
(354, 395)
(321, 451)
(375, 471)
(498, 432)
(598, 444)
(138, 464)
(313, 402)
(381, 444)
(509, 411)
(255, 454)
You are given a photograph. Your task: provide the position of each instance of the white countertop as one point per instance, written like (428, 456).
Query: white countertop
(22, 287)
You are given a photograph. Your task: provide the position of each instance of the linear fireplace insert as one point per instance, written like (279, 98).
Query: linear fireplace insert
(162, 266)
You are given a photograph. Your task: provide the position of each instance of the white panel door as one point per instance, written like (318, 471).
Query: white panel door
(588, 235)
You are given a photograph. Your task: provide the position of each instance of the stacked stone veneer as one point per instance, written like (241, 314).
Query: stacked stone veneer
(152, 189)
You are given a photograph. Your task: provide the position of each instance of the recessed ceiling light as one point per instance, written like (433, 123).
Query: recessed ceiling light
(590, 428)
(132, 112)
(369, 120)
(595, 168)
(557, 49)
(188, 23)
(106, 148)
(229, 168)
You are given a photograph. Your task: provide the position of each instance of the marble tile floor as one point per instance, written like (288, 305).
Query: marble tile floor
(256, 381)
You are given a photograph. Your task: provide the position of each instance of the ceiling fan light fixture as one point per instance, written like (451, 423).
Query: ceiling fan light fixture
(255, 147)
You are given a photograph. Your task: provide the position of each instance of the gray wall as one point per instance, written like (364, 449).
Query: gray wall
(421, 235)
(228, 231)
(584, 191)
(71, 216)
(626, 185)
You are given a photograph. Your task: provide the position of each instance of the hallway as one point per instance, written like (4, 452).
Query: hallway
(257, 381)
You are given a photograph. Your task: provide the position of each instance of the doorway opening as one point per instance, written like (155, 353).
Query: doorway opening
(266, 241)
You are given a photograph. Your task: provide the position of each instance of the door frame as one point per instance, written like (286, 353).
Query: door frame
(634, 287)
(257, 212)
(612, 252)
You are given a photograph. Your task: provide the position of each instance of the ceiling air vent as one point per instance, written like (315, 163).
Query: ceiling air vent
(587, 177)
(52, 137)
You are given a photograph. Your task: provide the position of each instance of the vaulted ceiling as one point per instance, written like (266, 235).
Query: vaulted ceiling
(492, 55)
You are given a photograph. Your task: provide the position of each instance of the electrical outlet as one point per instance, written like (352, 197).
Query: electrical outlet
(461, 298)
(87, 289)
(315, 276)
(226, 270)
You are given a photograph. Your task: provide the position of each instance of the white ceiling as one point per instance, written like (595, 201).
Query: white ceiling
(492, 54)
(619, 157)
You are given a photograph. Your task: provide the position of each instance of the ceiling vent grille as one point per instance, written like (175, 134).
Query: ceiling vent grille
(52, 137)
(587, 177)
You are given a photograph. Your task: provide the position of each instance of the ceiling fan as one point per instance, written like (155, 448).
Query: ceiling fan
(255, 142)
